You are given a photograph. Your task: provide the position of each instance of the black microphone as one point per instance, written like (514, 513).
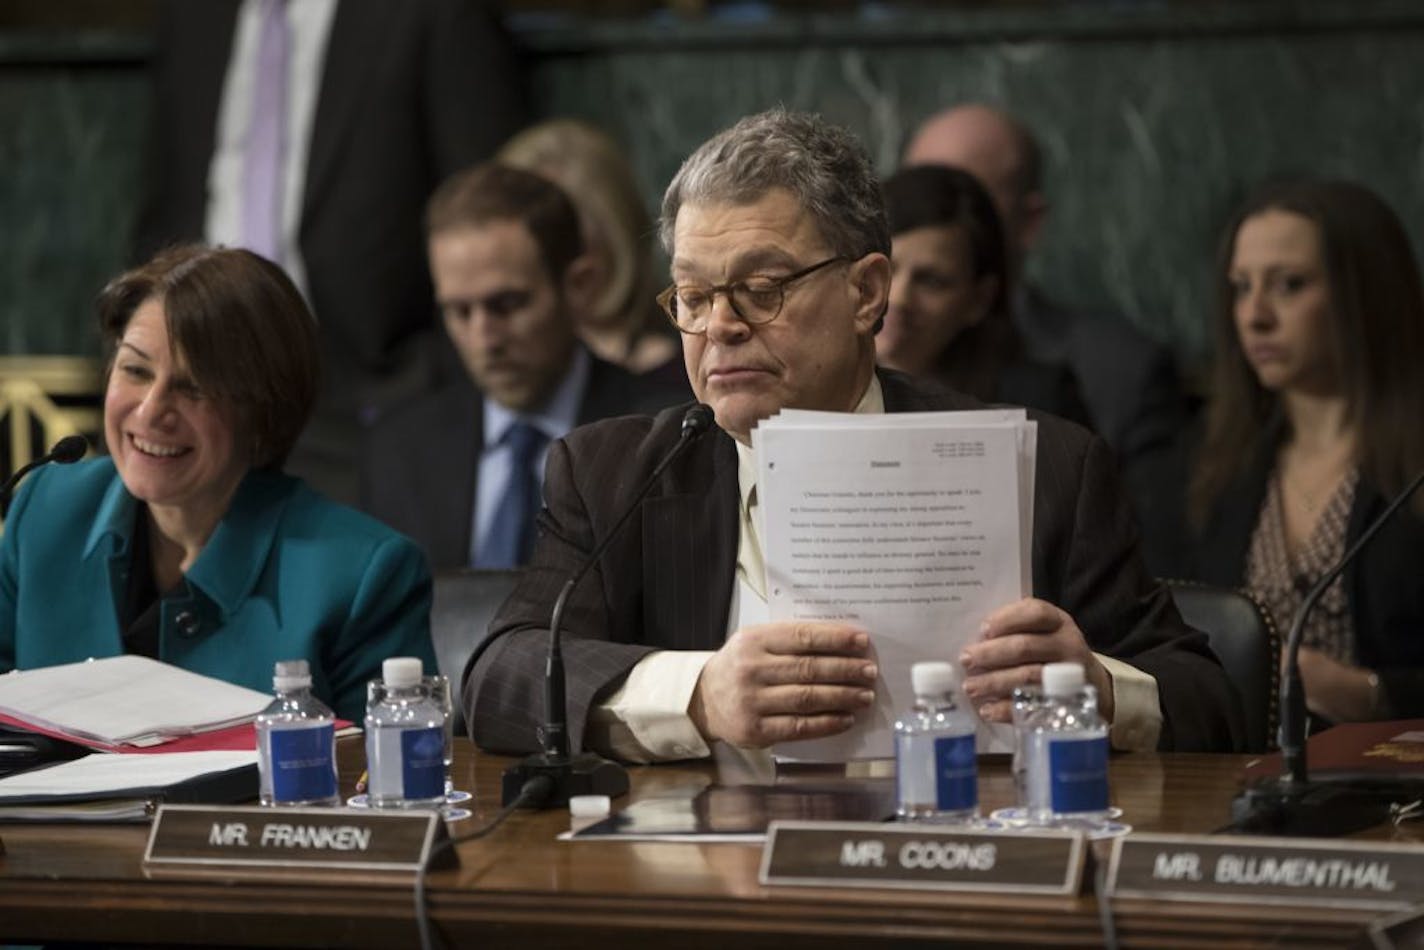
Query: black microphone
(586, 773)
(71, 448)
(1293, 803)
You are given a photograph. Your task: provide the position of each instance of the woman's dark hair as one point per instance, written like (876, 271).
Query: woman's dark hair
(1376, 332)
(241, 328)
(938, 196)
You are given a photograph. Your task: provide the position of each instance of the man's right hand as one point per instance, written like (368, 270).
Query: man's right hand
(778, 682)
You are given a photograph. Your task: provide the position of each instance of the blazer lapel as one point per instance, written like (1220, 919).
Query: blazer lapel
(355, 28)
(451, 463)
(690, 548)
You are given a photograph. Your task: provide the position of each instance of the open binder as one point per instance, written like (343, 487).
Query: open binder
(126, 788)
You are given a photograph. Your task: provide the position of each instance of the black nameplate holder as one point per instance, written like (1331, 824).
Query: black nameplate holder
(333, 838)
(921, 856)
(1367, 874)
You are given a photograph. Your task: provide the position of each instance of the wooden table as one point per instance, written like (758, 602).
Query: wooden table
(522, 888)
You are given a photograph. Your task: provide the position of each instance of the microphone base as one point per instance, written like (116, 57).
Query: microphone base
(583, 774)
(1320, 808)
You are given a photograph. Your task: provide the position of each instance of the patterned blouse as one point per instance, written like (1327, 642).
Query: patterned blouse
(1280, 580)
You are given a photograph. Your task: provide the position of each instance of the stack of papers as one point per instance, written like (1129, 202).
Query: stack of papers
(122, 787)
(913, 526)
(124, 701)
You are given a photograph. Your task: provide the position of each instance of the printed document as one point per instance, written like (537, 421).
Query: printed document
(913, 526)
(127, 699)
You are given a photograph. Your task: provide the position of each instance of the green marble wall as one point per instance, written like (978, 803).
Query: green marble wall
(1153, 121)
(1154, 118)
(71, 134)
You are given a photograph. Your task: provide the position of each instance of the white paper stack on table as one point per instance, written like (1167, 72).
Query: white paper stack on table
(914, 526)
(121, 701)
(125, 787)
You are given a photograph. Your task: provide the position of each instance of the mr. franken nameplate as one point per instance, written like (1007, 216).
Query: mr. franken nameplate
(1366, 874)
(840, 854)
(296, 837)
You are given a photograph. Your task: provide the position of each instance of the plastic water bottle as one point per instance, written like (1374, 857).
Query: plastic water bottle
(296, 740)
(936, 773)
(1065, 748)
(405, 740)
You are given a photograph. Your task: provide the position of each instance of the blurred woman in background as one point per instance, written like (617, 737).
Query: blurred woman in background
(948, 318)
(187, 543)
(624, 326)
(1316, 418)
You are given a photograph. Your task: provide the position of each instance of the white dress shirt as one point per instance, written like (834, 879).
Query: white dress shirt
(309, 27)
(558, 415)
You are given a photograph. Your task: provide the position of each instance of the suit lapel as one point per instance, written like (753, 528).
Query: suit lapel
(602, 397)
(355, 29)
(903, 394)
(451, 463)
(690, 548)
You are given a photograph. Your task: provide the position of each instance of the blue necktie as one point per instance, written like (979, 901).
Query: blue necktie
(510, 538)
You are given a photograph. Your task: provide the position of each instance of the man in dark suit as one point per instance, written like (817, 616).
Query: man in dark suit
(381, 101)
(458, 470)
(1129, 383)
(778, 241)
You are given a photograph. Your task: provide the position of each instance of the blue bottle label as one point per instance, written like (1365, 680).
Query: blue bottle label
(1078, 774)
(423, 763)
(302, 763)
(956, 773)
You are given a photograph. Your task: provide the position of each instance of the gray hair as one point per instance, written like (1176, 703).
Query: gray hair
(822, 165)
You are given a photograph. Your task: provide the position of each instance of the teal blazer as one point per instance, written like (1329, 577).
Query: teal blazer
(287, 574)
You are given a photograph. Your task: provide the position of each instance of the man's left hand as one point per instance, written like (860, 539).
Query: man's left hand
(1014, 642)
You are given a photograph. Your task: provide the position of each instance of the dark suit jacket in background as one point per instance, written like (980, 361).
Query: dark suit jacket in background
(411, 92)
(1129, 383)
(666, 580)
(421, 463)
(1384, 587)
(1135, 402)
(1045, 387)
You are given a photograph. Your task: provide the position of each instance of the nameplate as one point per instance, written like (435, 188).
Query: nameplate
(844, 854)
(358, 839)
(1364, 874)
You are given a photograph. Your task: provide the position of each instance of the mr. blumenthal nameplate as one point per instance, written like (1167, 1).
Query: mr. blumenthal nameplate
(359, 839)
(1364, 874)
(935, 857)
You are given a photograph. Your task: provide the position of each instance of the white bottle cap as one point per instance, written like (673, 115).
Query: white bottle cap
(401, 672)
(1062, 679)
(291, 674)
(934, 678)
(590, 806)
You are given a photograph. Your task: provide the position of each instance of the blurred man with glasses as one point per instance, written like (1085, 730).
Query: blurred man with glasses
(779, 246)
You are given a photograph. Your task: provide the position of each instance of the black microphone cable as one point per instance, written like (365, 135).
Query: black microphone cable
(587, 772)
(537, 788)
(69, 449)
(1105, 913)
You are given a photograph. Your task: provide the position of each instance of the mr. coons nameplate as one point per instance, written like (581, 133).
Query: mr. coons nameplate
(1365, 874)
(921, 856)
(359, 839)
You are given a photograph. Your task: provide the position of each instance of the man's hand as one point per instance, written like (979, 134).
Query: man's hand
(776, 682)
(1014, 643)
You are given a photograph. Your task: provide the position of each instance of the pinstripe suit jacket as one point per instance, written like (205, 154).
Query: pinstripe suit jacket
(666, 580)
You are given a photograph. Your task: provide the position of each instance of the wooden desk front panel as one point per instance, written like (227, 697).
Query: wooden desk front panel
(522, 888)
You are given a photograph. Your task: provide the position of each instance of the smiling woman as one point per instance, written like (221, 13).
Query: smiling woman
(188, 543)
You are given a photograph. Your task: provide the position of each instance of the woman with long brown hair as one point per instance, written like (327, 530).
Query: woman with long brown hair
(1316, 419)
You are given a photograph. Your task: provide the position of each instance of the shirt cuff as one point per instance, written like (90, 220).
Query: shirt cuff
(645, 719)
(1137, 714)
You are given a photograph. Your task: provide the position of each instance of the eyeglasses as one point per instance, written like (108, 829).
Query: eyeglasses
(756, 300)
